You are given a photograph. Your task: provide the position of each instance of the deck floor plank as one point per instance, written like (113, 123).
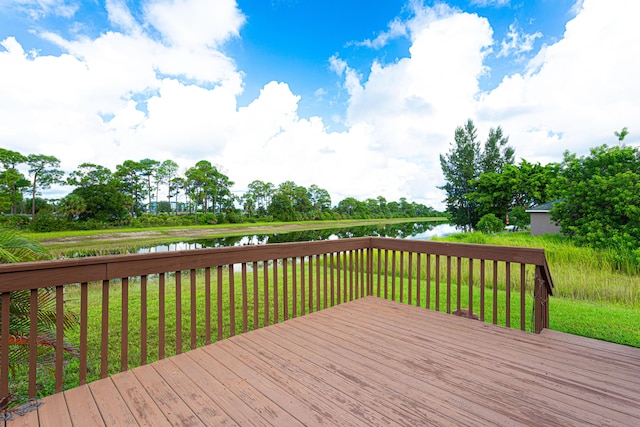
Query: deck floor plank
(82, 408)
(206, 409)
(217, 362)
(57, 413)
(586, 384)
(222, 393)
(368, 362)
(110, 403)
(491, 382)
(309, 383)
(140, 403)
(459, 400)
(176, 411)
(372, 387)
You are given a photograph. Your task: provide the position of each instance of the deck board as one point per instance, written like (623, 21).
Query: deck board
(368, 362)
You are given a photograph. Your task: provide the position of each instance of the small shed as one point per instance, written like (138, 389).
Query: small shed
(541, 222)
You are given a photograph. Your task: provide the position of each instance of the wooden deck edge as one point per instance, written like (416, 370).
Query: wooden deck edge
(625, 350)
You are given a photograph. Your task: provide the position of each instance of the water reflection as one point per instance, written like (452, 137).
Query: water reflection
(417, 231)
(408, 230)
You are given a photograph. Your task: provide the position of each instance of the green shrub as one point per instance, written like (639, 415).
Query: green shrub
(490, 224)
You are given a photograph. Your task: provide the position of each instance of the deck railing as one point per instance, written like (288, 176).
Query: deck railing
(135, 309)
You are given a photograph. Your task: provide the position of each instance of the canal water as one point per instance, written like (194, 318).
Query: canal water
(411, 230)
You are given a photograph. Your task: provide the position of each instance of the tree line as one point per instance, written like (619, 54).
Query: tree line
(597, 196)
(130, 195)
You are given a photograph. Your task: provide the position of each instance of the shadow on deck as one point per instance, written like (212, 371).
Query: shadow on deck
(368, 362)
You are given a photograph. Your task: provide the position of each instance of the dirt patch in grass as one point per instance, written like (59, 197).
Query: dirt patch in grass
(184, 233)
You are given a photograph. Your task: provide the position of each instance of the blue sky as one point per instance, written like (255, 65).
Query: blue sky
(358, 97)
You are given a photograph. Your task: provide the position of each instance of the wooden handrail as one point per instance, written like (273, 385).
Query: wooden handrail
(296, 278)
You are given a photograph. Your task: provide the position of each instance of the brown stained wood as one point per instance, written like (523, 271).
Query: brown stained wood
(4, 345)
(204, 407)
(232, 303)
(303, 307)
(60, 272)
(466, 375)
(583, 380)
(161, 316)
(124, 330)
(338, 289)
(285, 288)
(307, 407)
(379, 270)
(294, 288)
(255, 295)
(178, 311)
(219, 308)
(207, 304)
(364, 271)
(193, 307)
(508, 294)
(33, 346)
(171, 405)
(310, 289)
(355, 273)
(419, 283)
(325, 284)
(245, 299)
(375, 399)
(448, 303)
(332, 279)
(111, 404)
(393, 275)
(374, 362)
(470, 303)
(523, 294)
(253, 404)
(437, 282)
(143, 320)
(409, 280)
(495, 292)
(275, 292)
(318, 284)
(482, 286)
(82, 407)
(351, 284)
(402, 277)
(59, 337)
(345, 281)
(142, 405)
(386, 274)
(29, 419)
(458, 283)
(346, 358)
(57, 414)
(265, 278)
(310, 382)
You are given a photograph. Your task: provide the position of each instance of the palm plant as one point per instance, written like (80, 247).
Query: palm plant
(15, 248)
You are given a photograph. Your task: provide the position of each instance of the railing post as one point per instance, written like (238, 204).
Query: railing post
(541, 301)
(369, 271)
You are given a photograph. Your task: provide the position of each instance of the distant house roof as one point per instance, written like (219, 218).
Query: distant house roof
(544, 207)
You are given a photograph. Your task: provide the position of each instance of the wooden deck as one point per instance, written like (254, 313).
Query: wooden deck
(368, 362)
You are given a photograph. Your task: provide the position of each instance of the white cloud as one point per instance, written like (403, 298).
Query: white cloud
(125, 95)
(517, 41)
(396, 29)
(38, 9)
(492, 3)
(578, 90)
(195, 23)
